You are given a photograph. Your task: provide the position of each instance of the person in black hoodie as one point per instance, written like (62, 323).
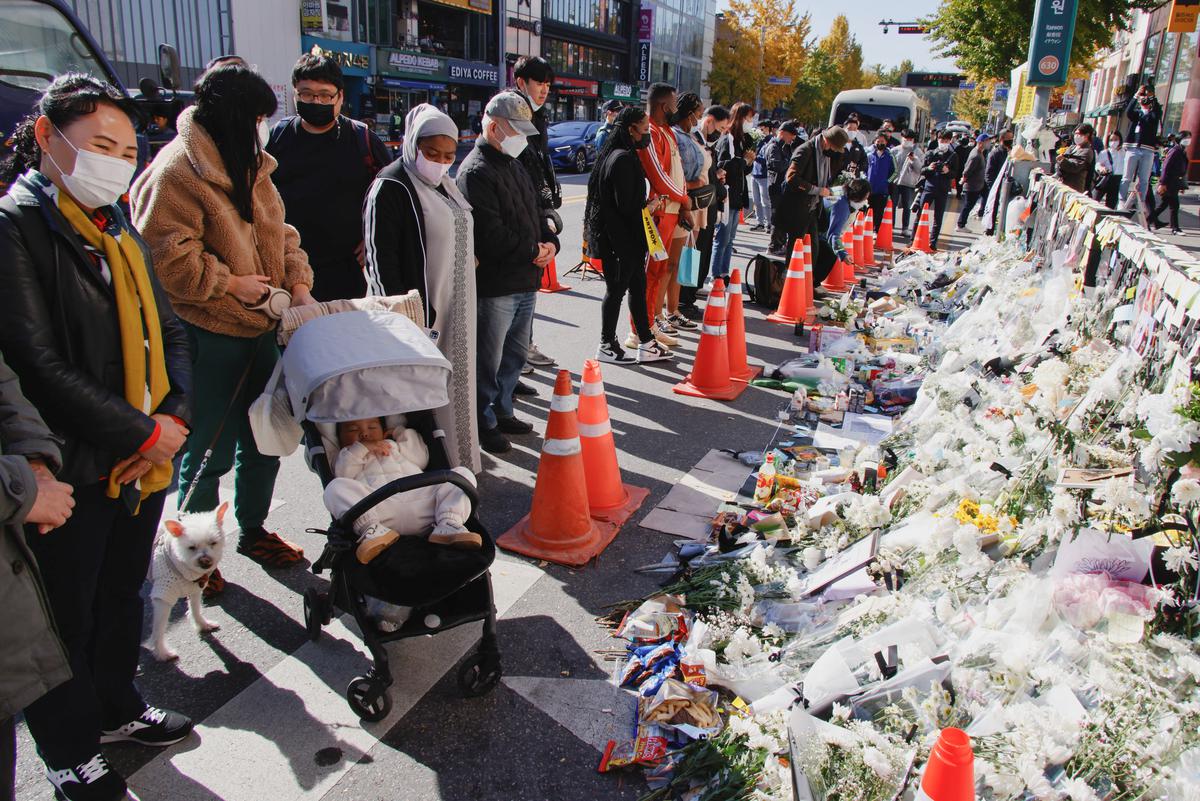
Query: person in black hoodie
(513, 243)
(533, 77)
(614, 227)
(1172, 181)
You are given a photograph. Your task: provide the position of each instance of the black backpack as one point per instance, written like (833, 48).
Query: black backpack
(766, 279)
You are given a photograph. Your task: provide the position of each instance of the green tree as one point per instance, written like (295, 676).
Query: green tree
(818, 85)
(989, 39)
(973, 105)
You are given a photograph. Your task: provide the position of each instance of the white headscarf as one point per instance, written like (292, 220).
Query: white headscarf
(424, 120)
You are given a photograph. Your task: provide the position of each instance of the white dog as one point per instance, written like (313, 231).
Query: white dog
(186, 552)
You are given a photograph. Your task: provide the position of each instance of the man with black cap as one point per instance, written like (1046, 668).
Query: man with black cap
(513, 243)
(611, 109)
(776, 155)
(941, 166)
(806, 183)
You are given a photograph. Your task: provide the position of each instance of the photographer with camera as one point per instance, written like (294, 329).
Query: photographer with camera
(941, 167)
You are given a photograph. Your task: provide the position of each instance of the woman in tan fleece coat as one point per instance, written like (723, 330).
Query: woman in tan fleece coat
(214, 222)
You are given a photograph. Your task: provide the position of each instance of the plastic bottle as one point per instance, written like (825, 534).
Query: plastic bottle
(764, 487)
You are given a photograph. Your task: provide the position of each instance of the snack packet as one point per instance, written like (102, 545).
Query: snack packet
(648, 746)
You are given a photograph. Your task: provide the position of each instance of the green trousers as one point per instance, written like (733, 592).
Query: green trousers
(218, 362)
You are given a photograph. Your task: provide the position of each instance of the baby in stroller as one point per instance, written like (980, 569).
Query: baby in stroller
(370, 457)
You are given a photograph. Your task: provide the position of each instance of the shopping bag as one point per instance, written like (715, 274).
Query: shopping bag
(689, 264)
(654, 242)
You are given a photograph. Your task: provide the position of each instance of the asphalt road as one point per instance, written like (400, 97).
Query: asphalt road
(275, 725)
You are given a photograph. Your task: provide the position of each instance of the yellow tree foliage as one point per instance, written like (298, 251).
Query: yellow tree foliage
(845, 51)
(972, 105)
(754, 41)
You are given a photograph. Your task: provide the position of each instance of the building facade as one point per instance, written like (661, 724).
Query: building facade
(1147, 53)
(130, 31)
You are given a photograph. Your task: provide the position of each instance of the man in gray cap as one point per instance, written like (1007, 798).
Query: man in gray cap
(806, 183)
(513, 242)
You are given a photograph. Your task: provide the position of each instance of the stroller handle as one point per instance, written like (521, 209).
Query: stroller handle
(407, 484)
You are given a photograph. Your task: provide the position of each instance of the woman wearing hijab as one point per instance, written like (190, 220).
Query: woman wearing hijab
(418, 232)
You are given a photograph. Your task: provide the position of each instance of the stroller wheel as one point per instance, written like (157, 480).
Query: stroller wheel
(479, 675)
(315, 615)
(369, 699)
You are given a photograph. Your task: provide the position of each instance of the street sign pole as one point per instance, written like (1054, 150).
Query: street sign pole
(1050, 50)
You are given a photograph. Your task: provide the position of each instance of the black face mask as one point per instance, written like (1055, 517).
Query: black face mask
(829, 153)
(317, 115)
(881, 147)
(642, 143)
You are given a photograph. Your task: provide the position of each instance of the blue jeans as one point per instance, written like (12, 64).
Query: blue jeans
(505, 325)
(1139, 161)
(762, 200)
(723, 245)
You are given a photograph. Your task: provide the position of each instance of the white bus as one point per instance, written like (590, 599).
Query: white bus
(903, 107)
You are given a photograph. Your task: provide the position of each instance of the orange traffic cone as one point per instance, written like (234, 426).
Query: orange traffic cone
(857, 252)
(809, 282)
(793, 305)
(921, 238)
(559, 527)
(847, 267)
(550, 279)
(950, 772)
(886, 226)
(608, 499)
(835, 281)
(739, 368)
(710, 372)
(868, 243)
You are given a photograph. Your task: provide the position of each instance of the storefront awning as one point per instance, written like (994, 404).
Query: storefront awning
(397, 83)
(1106, 110)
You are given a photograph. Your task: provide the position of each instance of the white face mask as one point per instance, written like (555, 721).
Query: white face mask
(857, 204)
(96, 180)
(264, 133)
(1114, 143)
(534, 105)
(1185, 141)
(432, 171)
(513, 145)
(1080, 140)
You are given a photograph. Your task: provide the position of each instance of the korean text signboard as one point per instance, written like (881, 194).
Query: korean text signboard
(1050, 42)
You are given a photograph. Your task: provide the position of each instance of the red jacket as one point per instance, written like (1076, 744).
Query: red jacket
(656, 161)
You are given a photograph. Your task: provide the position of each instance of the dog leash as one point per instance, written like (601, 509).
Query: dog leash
(221, 427)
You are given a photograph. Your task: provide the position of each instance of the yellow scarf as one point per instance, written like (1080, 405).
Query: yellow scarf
(137, 318)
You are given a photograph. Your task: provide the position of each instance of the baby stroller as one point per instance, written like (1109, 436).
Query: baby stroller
(360, 364)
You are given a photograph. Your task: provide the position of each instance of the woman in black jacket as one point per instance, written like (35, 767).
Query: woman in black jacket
(735, 154)
(614, 228)
(99, 352)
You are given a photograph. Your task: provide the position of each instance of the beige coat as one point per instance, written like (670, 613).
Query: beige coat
(182, 207)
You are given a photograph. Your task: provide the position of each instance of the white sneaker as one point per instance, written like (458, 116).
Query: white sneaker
(652, 352)
(632, 341)
(612, 353)
(665, 326)
(664, 339)
(537, 358)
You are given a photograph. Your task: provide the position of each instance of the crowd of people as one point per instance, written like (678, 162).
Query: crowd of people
(141, 307)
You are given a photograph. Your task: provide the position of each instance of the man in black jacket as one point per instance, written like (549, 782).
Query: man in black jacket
(808, 179)
(941, 165)
(996, 158)
(533, 77)
(974, 180)
(513, 242)
(326, 164)
(1172, 181)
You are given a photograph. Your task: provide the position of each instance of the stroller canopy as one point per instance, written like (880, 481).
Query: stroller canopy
(359, 364)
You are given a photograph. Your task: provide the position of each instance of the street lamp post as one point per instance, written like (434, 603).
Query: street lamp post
(762, 66)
